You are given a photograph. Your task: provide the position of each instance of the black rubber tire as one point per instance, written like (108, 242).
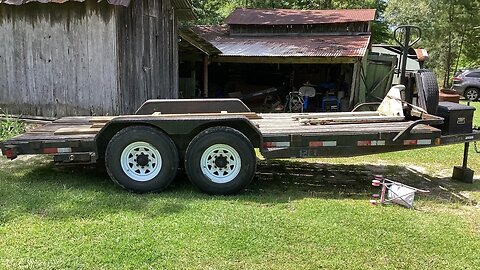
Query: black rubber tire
(472, 89)
(220, 135)
(428, 93)
(156, 138)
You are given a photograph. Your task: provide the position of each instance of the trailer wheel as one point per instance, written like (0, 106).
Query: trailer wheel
(220, 160)
(141, 159)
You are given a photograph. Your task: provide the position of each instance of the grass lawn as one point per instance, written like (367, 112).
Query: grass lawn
(308, 214)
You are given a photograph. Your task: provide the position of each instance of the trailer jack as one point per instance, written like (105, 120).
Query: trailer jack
(463, 173)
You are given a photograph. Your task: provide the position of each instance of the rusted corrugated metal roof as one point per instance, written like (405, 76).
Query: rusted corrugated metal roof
(284, 46)
(21, 2)
(292, 16)
(182, 7)
(201, 44)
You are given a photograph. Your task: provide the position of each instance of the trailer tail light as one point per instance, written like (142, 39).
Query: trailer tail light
(10, 153)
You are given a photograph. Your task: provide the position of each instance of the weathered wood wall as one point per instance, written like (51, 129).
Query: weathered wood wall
(148, 48)
(86, 58)
(58, 59)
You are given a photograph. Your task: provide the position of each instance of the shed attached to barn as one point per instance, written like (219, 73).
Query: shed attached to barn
(287, 49)
(88, 57)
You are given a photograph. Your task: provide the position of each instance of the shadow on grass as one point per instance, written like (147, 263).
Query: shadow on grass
(38, 187)
(351, 181)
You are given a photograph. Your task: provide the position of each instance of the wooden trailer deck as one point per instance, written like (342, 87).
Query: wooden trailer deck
(269, 125)
(63, 129)
(281, 124)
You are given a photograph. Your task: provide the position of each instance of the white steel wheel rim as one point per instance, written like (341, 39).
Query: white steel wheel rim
(141, 161)
(472, 95)
(221, 163)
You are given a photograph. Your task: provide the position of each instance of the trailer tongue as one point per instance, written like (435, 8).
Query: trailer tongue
(216, 139)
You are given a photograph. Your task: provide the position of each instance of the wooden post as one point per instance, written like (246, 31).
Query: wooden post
(354, 86)
(362, 79)
(205, 76)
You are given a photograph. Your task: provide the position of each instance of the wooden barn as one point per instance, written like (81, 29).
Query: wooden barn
(88, 57)
(284, 49)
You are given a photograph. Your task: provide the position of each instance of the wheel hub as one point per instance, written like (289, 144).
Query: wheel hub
(142, 160)
(221, 162)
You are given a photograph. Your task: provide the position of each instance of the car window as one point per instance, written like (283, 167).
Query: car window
(474, 74)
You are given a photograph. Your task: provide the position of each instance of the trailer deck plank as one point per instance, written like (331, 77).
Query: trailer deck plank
(77, 130)
(53, 127)
(352, 120)
(288, 124)
(48, 137)
(83, 119)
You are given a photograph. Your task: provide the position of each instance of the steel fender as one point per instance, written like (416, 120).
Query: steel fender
(181, 129)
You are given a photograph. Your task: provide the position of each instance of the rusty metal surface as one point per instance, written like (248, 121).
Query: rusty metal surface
(199, 43)
(284, 46)
(21, 2)
(422, 55)
(291, 16)
(183, 8)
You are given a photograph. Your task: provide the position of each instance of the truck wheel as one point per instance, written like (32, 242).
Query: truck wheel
(472, 94)
(141, 159)
(428, 93)
(220, 160)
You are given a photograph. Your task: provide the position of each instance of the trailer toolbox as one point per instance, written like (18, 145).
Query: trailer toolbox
(458, 117)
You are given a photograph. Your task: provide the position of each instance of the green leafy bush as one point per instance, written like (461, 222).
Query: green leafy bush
(10, 126)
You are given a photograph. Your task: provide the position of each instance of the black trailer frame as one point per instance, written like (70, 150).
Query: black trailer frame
(84, 140)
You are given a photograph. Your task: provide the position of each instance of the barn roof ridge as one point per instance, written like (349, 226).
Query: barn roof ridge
(256, 16)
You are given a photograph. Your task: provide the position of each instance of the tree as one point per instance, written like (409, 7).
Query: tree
(448, 30)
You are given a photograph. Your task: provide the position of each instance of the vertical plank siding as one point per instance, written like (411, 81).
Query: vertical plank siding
(58, 60)
(86, 58)
(148, 53)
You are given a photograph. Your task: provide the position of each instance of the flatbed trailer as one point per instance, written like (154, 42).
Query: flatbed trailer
(214, 140)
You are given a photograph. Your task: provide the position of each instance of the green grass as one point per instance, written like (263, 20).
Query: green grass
(296, 214)
(76, 218)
